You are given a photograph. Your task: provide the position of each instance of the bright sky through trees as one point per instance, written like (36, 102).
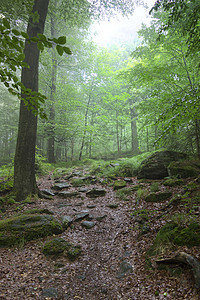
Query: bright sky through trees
(122, 29)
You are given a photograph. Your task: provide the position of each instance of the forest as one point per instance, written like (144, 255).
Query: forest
(99, 152)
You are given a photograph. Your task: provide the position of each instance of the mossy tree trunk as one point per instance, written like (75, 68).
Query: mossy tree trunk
(24, 163)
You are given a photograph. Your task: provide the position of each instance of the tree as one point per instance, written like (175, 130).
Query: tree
(24, 163)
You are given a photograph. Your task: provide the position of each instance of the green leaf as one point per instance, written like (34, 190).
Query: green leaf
(62, 40)
(59, 50)
(25, 35)
(16, 32)
(6, 23)
(67, 50)
(40, 46)
(42, 37)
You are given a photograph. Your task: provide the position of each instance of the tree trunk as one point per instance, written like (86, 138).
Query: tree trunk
(51, 129)
(188, 259)
(134, 136)
(24, 163)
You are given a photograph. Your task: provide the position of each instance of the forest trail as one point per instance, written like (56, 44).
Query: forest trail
(112, 262)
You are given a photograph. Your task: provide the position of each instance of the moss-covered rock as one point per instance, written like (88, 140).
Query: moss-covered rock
(157, 197)
(59, 246)
(55, 246)
(174, 234)
(184, 169)
(38, 211)
(77, 182)
(155, 166)
(173, 182)
(24, 228)
(119, 184)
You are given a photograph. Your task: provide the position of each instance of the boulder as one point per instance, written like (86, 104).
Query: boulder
(155, 166)
(23, 228)
(158, 197)
(184, 169)
(175, 234)
(59, 246)
(96, 193)
(119, 184)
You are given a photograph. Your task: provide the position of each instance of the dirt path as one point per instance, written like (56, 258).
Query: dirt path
(112, 263)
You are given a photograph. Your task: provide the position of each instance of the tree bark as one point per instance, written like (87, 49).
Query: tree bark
(185, 258)
(24, 162)
(51, 129)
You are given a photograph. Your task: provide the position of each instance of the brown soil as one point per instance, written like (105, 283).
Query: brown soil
(25, 272)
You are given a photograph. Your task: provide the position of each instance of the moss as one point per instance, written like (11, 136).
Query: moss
(173, 182)
(77, 182)
(122, 193)
(184, 169)
(55, 246)
(154, 187)
(173, 234)
(153, 197)
(119, 184)
(34, 211)
(58, 246)
(74, 252)
(27, 227)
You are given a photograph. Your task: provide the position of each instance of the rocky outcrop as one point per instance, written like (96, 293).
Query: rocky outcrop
(155, 166)
(184, 169)
(23, 228)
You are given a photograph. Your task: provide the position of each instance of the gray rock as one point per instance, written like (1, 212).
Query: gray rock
(83, 190)
(91, 206)
(66, 221)
(112, 205)
(96, 193)
(48, 192)
(100, 218)
(61, 185)
(88, 224)
(128, 180)
(50, 293)
(158, 197)
(27, 227)
(68, 194)
(81, 215)
(124, 268)
(155, 166)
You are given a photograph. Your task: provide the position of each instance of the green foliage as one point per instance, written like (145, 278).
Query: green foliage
(154, 187)
(41, 166)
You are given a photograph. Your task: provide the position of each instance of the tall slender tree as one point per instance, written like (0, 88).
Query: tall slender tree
(24, 163)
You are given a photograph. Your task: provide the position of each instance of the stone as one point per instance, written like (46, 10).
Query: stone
(61, 185)
(158, 197)
(55, 246)
(112, 205)
(100, 218)
(184, 169)
(59, 246)
(83, 190)
(24, 228)
(91, 206)
(119, 184)
(124, 268)
(87, 224)
(173, 233)
(48, 192)
(68, 194)
(129, 180)
(96, 193)
(66, 221)
(173, 182)
(50, 293)
(81, 216)
(155, 166)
